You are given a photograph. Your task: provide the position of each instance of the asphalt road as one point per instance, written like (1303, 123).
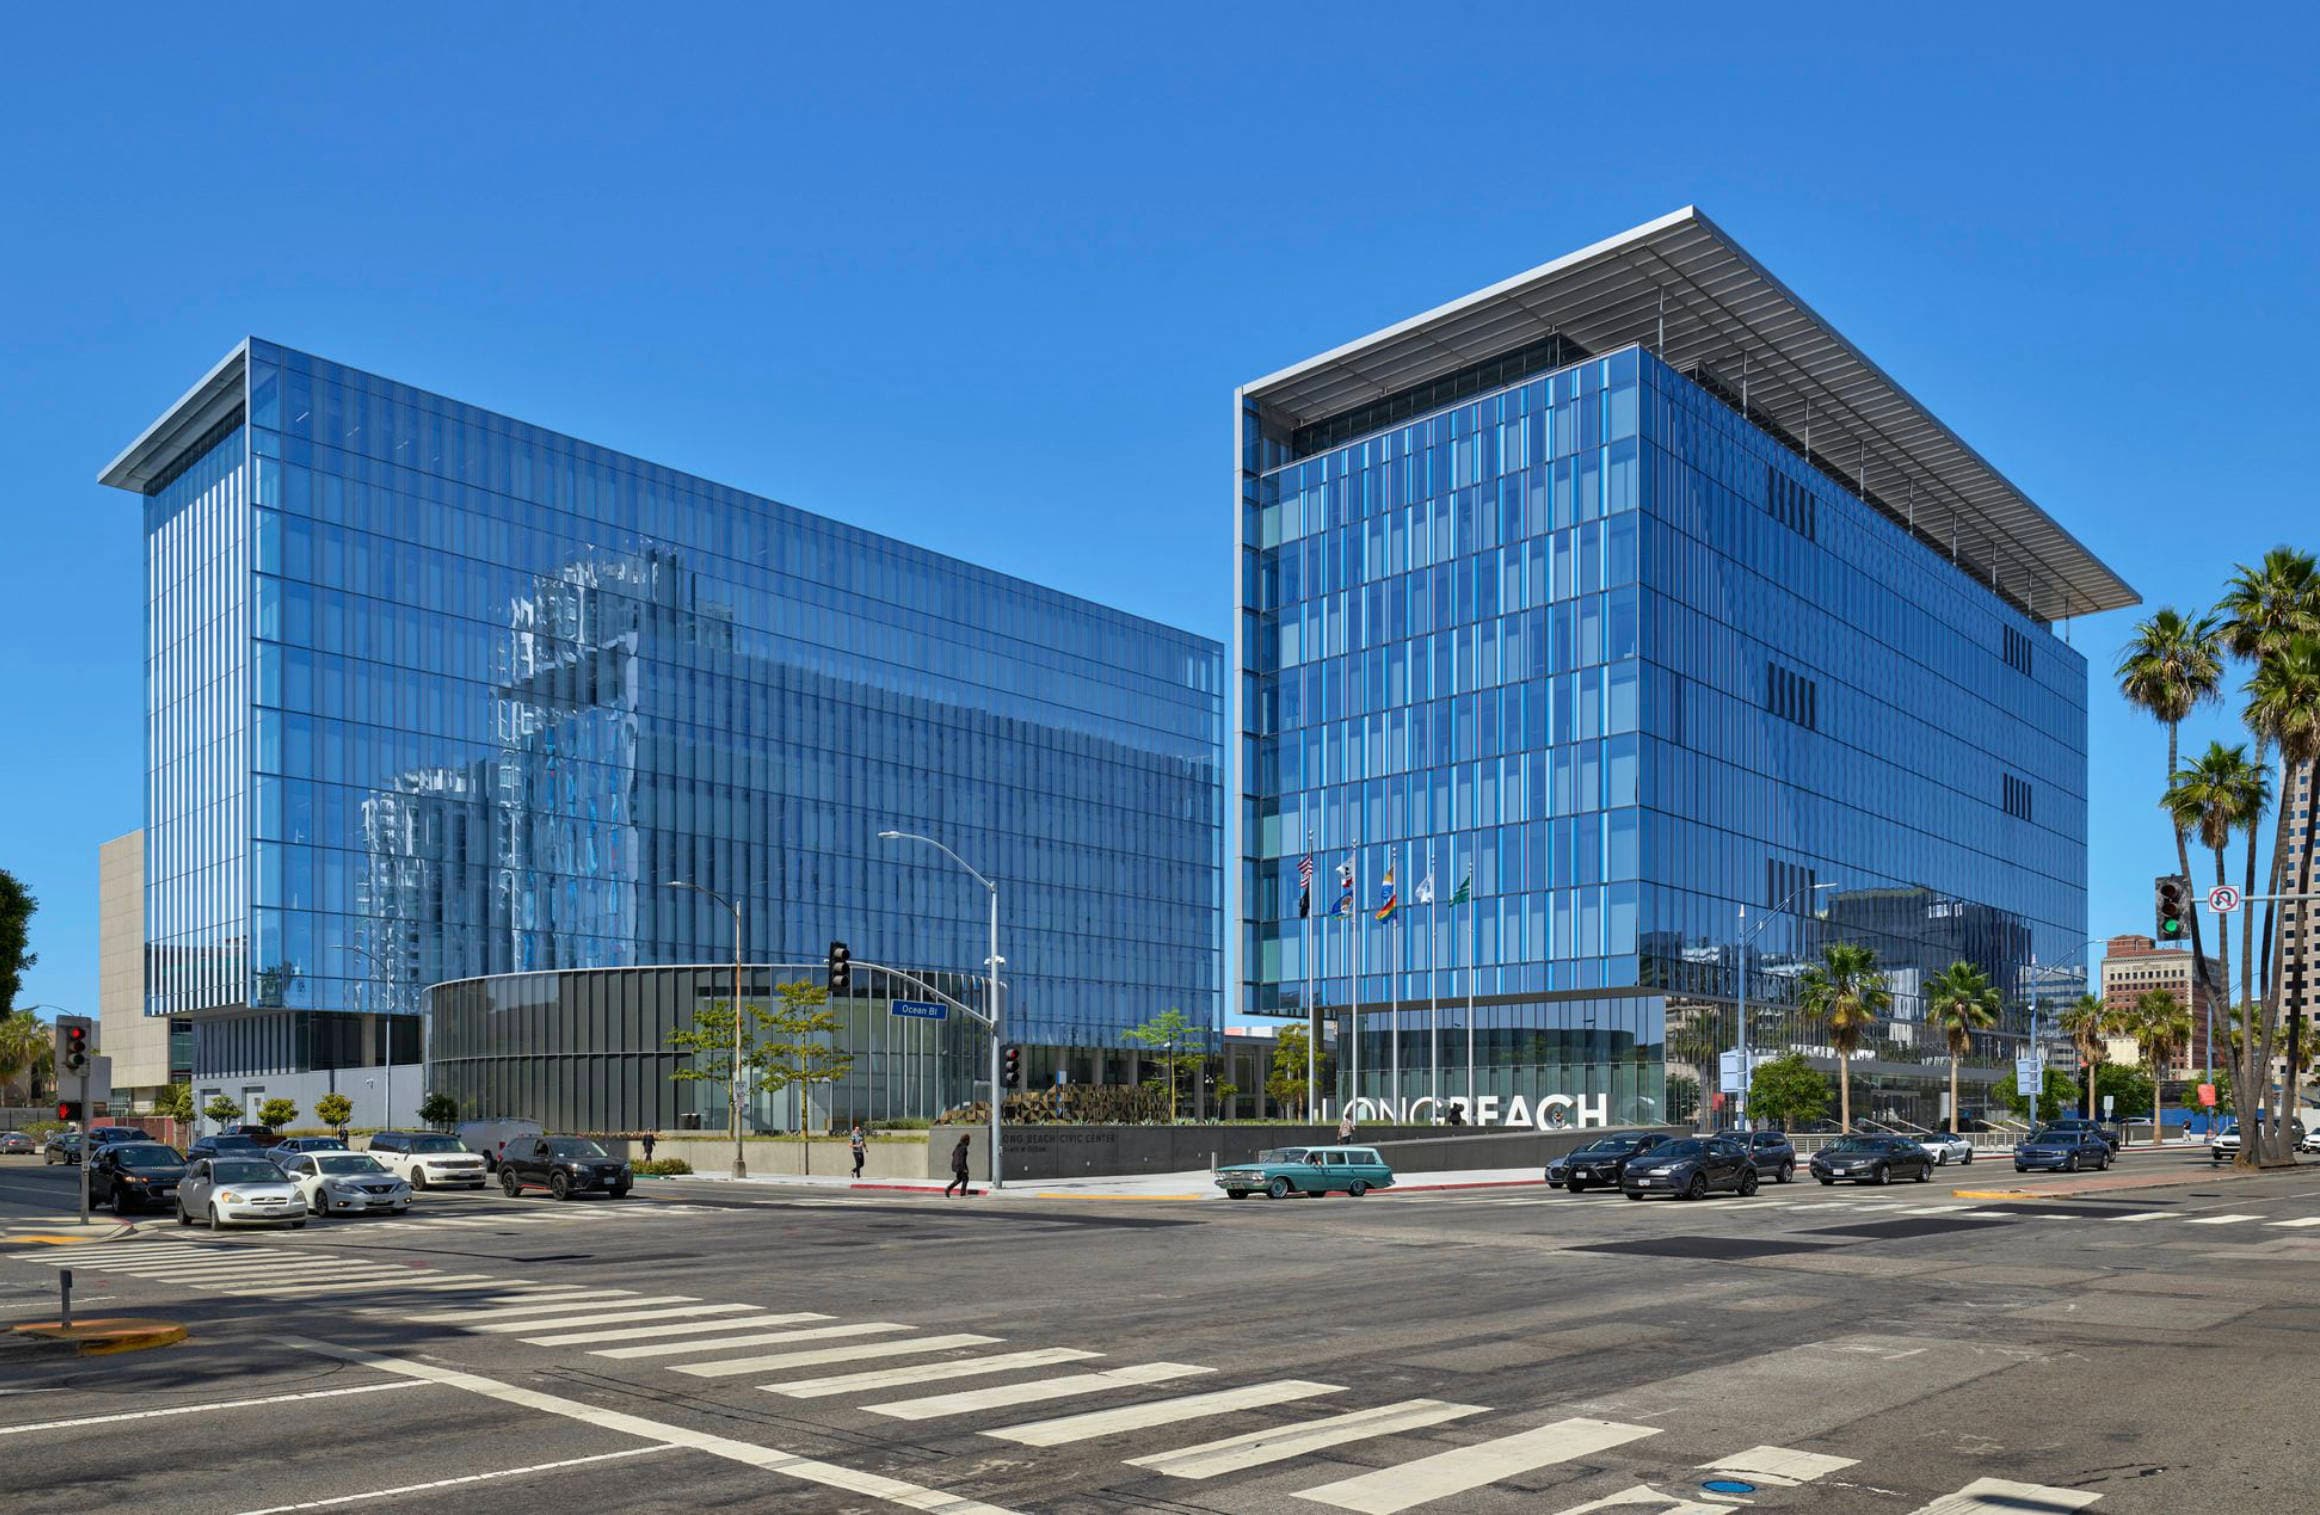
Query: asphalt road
(1869, 1352)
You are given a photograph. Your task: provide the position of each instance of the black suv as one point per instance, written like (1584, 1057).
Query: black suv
(1772, 1152)
(562, 1165)
(133, 1175)
(1602, 1161)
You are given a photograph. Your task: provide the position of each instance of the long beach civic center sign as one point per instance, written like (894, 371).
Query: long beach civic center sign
(1553, 1112)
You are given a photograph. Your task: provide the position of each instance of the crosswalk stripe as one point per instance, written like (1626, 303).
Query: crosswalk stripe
(514, 1296)
(1785, 1466)
(767, 1339)
(2142, 1215)
(1064, 1386)
(1159, 1412)
(1257, 1448)
(598, 1317)
(215, 1267)
(1935, 1209)
(779, 1360)
(2308, 1220)
(148, 1248)
(2222, 1220)
(1462, 1468)
(2003, 1496)
(693, 1328)
(250, 1278)
(627, 1297)
(927, 1372)
(407, 1280)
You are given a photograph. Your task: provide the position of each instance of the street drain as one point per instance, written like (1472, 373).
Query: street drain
(1728, 1486)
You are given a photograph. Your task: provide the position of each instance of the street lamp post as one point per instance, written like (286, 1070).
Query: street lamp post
(990, 980)
(733, 1096)
(1740, 1103)
(387, 1117)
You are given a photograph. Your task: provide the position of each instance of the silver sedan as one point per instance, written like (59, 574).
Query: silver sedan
(228, 1191)
(1947, 1148)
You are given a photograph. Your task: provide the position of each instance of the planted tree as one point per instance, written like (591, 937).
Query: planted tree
(1788, 1091)
(1285, 1079)
(223, 1109)
(788, 1044)
(277, 1112)
(1960, 1000)
(2057, 1092)
(2161, 1027)
(27, 1052)
(438, 1110)
(175, 1102)
(1845, 990)
(334, 1110)
(2171, 666)
(2131, 1091)
(1177, 1046)
(2090, 1024)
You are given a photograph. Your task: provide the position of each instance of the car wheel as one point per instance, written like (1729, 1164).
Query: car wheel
(1748, 1184)
(1277, 1189)
(1882, 1176)
(1236, 1194)
(1697, 1188)
(618, 1191)
(1925, 1173)
(1828, 1183)
(1632, 1194)
(121, 1205)
(1576, 1187)
(213, 1218)
(1787, 1172)
(418, 1179)
(1356, 1189)
(2019, 1168)
(183, 1219)
(1967, 1161)
(560, 1186)
(2070, 1163)
(508, 1184)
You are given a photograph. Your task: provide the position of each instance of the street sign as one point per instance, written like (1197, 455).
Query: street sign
(2107, 1099)
(920, 1009)
(2223, 899)
(2025, 1076)
(2207, 1095)
(1731, 1077)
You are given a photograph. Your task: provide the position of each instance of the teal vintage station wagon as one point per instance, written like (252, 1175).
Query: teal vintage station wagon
(1283, 1171)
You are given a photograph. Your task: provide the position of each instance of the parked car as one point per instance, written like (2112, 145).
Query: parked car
(2309, 1142)
(264, 1136)
(61, 1147)
(1772, 1152)
(290, 1146)
(1602, 1160)
(490, 1137)
(1947, 1149)
(1872, 1160)
(2227, 1141)
(130, 1176)
(2110, 1136)
(235, 1189)
(346, 1183)
(429, 1160)
(1283, 1171)
(2062, 1148)
(101, 1135)
(16, 1144)
(1690, 1168)
(562, 1165)
(1819, 1128)
(224, 1146)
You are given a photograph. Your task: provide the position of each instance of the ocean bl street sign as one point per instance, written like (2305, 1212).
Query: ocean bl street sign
(920, 1009)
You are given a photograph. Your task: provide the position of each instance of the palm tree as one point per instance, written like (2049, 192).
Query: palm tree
(27, 1051)
(2284, 706)
(2218, 794)
(1845, 989)
(2089, 1024)
(2261, 609)
(2161, 1026)
(1960, 1000)
(2170, 667)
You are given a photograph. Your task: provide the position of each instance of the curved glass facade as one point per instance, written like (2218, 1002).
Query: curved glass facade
(437, 694)
(1634, 695)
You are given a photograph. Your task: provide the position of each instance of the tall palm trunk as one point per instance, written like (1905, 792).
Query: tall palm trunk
(2093, 1067)
(1845, 1089)
(2202, 1016)
(2247, 914)
(1953, 1110)
(2198, 953)
(2251, 1079)
(2284, 1133)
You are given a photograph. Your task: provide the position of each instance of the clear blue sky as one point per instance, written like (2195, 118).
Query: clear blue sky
(984, 277)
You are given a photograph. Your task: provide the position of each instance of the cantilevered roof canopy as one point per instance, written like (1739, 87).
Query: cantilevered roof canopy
(1683, 289)
(182, 426)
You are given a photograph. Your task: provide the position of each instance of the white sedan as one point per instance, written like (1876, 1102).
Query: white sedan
(346, 1183)
(1947, 1148)
(233, 1190)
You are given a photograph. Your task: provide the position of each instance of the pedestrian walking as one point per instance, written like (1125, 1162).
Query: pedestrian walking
(1345, 1127)
(1457, 1114)
(860, 1145)
(958, 1169)
(649, 1139)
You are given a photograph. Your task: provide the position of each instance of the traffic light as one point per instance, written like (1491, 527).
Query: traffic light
(2173, 892)
(72, 1044)
(841, 968)
(68, 1109)
(1010, 1067)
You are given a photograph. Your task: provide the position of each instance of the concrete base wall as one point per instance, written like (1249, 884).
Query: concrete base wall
(1044, 1152)
(905, 1158)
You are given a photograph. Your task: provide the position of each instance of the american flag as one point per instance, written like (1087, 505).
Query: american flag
(1305, 885)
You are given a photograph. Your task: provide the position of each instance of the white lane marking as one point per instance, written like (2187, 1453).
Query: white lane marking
(780, 1360)
(929, 1372)
(413, 1281)
(1781, 1465)
(2308, 1220)
(2221, 1220)
(1462, 1468)
(766, 1339)
(177, 1272)
(464, 1478)
(627, 1298)
(1934, 1209)
(693, 1328)
(1065, 1386)
(595, 1317)
(221, 1404)
(1159, 1412)
(2143, 1215)
(1825, 1204)
(2003, 1496)
(772, 1459)
(1257, 1448)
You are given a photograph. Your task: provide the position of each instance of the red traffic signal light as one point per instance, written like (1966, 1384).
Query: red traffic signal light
(74, 1054)
(1010, 1067)
(68, 1109)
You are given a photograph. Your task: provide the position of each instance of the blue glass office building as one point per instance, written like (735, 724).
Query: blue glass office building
(436, 694)
(1631, 600)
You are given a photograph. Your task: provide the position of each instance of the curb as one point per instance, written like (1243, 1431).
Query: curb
(1480, 1183)
(102, 1338)
(59, 1239)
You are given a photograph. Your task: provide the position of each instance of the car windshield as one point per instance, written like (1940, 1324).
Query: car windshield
(574, 1146)
(234, 1144)
(435, 1144)
(242, 1171)
(1676, 1151)
(2056, 1134)
(1282, 1155)
(145, 1155)
(1612, 1146)
(1857, 1144)
(342, 1163)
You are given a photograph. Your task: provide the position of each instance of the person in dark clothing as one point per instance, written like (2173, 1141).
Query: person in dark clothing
(860, 1146)
(1457, 1114)
(648, 1146)
(958, 1169)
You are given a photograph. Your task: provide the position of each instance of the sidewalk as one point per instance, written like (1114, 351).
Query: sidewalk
(1195, 1184)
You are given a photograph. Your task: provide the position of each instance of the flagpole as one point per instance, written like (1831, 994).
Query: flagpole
(1353, 1010)
(1394, 1001)
(1469, 891)
(1433, 1006)
(1312, 1011)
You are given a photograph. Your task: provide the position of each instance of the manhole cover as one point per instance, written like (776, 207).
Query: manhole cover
(1728, 1486)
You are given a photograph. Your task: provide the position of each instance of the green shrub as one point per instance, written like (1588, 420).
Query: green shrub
(662, 1167)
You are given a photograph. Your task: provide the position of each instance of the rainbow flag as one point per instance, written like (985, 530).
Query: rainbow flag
(1387, 900)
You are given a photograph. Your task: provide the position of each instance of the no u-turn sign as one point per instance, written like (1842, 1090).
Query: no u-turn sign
(2223, 899)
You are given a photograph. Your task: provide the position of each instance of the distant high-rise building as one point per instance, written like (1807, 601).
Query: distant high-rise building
(2133, 966)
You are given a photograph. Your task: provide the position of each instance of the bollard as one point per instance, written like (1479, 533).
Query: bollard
(1212, 1165)
(64, 1311)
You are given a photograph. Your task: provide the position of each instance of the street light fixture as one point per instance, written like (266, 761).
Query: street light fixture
(990, 980)
(740, 1164)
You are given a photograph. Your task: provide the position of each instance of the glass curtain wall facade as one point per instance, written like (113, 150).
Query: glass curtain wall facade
(1640, 700)
(437, 694)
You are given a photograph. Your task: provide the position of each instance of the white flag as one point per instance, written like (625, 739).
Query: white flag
(1425, 892)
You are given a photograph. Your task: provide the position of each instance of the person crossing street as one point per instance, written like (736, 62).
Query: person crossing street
(859, 1145)
(958, 1169)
